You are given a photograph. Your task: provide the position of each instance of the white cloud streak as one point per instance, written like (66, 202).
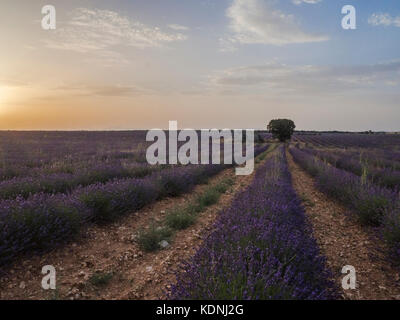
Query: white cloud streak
(257, 22)
(91, 30)
(178, 27)
(384, 19)
(103, 89)
(227, 44)
(277, 78)
(298, 2)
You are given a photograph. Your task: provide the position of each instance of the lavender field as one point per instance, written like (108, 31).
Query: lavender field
(205, 156)
(361, 171)
(260, 240)
(52, 183)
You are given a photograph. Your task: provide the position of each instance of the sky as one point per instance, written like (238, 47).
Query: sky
(129, 64)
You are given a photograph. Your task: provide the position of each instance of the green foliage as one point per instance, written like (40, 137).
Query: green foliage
(209, 197)
(307, 201)
(281, 129)
(391, 232)
(372, 209)
(100, 278)
(180, 219)
(149, 240)
(100, 202)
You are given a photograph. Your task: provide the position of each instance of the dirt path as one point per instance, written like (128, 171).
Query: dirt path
(345, 242)
(112, 249)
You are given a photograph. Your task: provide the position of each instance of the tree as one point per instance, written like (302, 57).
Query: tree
(281, 128)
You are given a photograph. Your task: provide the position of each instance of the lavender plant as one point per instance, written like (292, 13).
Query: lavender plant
(388, 143)
(43, 221)
(369, 201)
(261, 248)
(360, 164)
(66, 182)
(373, 205)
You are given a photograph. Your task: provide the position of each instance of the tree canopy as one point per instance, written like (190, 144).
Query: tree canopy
(281, 129)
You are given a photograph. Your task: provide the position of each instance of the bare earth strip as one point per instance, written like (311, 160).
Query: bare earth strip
(345, 242)
(112, 249)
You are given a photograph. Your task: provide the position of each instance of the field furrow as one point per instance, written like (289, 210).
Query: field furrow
(261, 248)
(345, 242)
(107, 262)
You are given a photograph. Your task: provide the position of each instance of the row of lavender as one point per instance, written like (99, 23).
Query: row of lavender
(380, 171)
(373, 205)
(376, 157)
(32, 154)
(42, 221)
(350, 140)
(261, 248)
(64, 182)
(25, 153)
(58, 162)
(70, 164)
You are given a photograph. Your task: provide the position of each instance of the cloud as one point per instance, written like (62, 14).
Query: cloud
(275, 77)
(178, 27)
(297, 2)
(91, 30)
(13, 82)
(257, 22)
(384, 19)
(105, 90)
(227, 44)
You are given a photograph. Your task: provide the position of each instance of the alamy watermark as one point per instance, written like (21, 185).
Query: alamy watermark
(349, 280)
(49, 19)
(189, 151)
(49, 280)
(349, 20)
